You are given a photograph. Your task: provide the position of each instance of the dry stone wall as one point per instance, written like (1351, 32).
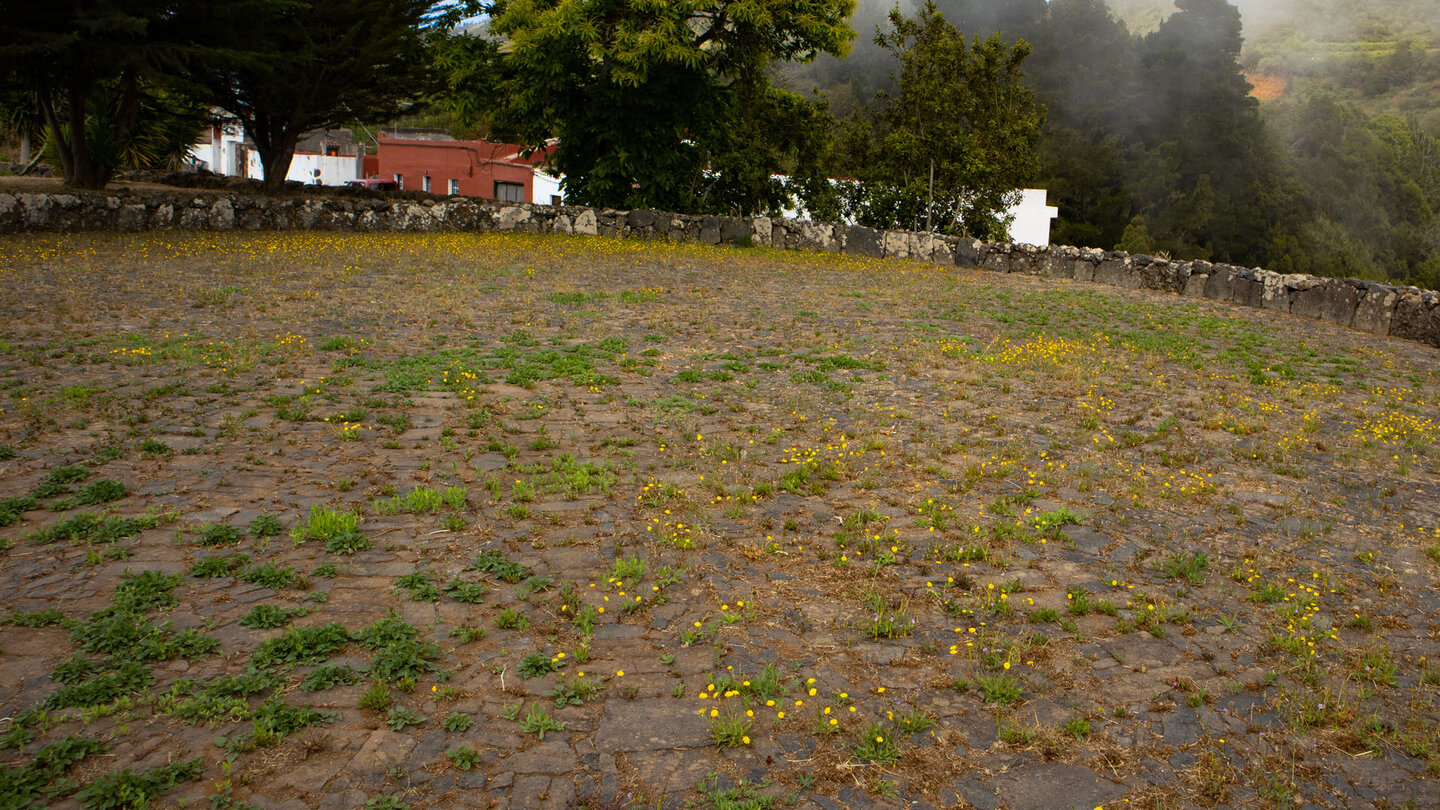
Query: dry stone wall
(1402, 312)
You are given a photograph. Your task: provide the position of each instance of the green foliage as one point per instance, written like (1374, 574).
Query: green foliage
(644, 100)
(338, 530)
(102, 491)
(538, 721)
(457, 722)
(301, 645)
(270, 575)
(58, 480)
(419, 586)
(463, 757)
(422, 500)
(225, 566)
(38, 618)
(329, 676)
(470, 592)
(377, 698)
(961, 111)
(1002, 689)
(495, 564)
(401, 716)
(125, 789)
(877, 744)
(269, 617)
(264, 525)
(88, 527)
(536, 665)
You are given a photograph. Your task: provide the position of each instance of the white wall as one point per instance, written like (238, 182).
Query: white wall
(221, 157)
(334, 170)
(546, 186)
(1031, 225)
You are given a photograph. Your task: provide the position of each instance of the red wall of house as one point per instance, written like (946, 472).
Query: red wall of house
(476, 164)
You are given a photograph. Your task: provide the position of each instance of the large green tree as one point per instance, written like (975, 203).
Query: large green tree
(955, 138)
(86, 66)
(654, 105)
(286, 67)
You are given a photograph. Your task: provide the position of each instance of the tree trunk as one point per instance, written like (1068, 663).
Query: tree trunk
(25, 145)
(277, 150)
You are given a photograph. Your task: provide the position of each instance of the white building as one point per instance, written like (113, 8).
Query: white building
(322, 158)
(1031, 223)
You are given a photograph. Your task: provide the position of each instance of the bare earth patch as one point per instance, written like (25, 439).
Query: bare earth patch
(321, 520)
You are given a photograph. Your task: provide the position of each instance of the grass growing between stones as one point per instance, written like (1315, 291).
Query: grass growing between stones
(596, 519)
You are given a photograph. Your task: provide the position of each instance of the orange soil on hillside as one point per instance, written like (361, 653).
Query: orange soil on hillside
(1268, 86)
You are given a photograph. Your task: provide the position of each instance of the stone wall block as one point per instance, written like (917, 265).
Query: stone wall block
(967, 252)
(897, 244)
(1117, 272)
(1221, 285)
(1085, 269)
(1247, 291)
(1195, 285)
(760, 231)
(864, 242)
(1376, 310)
(1417, 316)
(1274, 292)
(996, 258)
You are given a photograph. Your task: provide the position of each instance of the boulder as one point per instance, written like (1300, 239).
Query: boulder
(864, 242)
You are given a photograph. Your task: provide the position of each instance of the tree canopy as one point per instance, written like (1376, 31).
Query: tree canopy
(285, 67)
(651, 101)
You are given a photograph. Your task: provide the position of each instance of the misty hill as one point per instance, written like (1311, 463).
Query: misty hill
(1157, 139)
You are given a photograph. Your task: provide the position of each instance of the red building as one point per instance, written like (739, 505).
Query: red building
(471, 168)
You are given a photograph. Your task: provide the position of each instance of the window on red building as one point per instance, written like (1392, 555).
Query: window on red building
(509, 192)
(454, 187)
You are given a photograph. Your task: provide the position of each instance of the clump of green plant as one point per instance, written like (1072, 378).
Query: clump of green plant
(495, 564)
(58, 481)
(127, 789)
(464, 757)
(914, 721)
(399, 652)
(301, 645)
(538, 721)
(422, 500)
(36, 618)
(729, 730)
(419, 586)
(329, 676)
(877, 744)
(102, 491)
(887, 620)
(269, 617)
(511, 619)
(457, 722)
(264, 525)
(1187, 565)
(467, 633)
(401, 716)
(377, 698)
(536, 665)
(574, 691)
(219, 535)
(469, 592)
(270, 575)
(221, 566)
(1001, 689)
(88, 527)
(338, 530)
